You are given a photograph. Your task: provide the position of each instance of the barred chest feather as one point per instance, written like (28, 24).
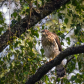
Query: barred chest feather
(51, 51)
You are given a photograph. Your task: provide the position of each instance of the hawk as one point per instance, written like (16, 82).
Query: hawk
(52, 47)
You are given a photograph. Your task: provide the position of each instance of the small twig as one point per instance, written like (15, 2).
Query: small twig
(68, 61)
(67, 34)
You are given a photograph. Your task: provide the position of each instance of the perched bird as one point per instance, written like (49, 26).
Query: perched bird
(52, 47)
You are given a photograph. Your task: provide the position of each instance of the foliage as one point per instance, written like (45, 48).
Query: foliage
(21, 59)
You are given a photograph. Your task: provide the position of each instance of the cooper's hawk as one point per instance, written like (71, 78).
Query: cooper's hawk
(52, 47)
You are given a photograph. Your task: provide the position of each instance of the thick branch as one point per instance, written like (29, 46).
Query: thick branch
(23, 25)
(46, 67)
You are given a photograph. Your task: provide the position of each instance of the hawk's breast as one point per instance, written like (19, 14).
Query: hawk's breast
(51, 51)
(50, 46)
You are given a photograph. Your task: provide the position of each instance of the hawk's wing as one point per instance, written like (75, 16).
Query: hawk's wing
(58, 42)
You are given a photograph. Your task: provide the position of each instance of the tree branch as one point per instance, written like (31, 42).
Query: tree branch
(26, 23)
(2, 2)
(48, 66)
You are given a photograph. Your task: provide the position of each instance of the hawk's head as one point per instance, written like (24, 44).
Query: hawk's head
(45, 32)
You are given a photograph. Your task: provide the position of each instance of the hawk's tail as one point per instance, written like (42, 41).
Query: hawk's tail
(60, 70)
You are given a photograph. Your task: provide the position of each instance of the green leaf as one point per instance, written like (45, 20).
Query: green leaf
(42, 26)
(16, 43)
(1, 18)
(30, 44)
(42, 51)
(60, 15)
(66, 20)
(79, 64)
(72, 25)
(35, 32)
(26, 6)
(68, 40)
(35, 61)
(62, 36)
(14, 14)
(1, 29)
(76, 56)
(42, 2)
(62, 43)
(47, 79)
(13, 22)
(58, 79)
(22, 47)
(29, 1)
(64, 27)
(78, 28)
(73, 78)
(19, 17)
(1, 62)
(66, 81)
(26, 72)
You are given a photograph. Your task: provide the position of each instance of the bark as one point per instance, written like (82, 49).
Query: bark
(48, 66)
(21, 26)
